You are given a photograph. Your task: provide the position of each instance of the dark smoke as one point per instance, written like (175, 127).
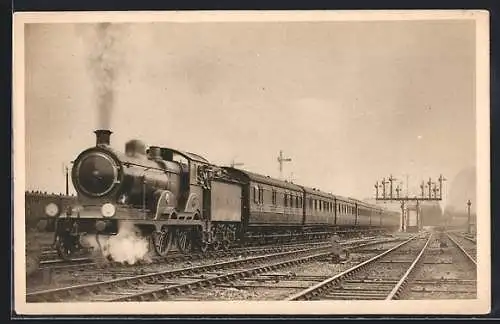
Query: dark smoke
(104, 64)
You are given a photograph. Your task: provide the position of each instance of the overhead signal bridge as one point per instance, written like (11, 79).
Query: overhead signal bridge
(429, 192)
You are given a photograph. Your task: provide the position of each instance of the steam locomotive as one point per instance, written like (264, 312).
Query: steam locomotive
(179, 198)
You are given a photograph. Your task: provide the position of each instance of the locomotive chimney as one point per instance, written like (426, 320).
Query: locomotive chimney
(102, 137)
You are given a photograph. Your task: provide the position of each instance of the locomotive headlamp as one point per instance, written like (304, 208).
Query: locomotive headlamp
(51, 210)
(108, 210)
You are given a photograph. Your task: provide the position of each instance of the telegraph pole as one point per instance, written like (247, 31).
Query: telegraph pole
(67, 180)
(468, 216)
(282, 159)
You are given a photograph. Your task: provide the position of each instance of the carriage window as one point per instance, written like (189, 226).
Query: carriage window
(255, 198)
(261, 195)
(286, 200)
(274, 197)
(310, 203)
(297, 201)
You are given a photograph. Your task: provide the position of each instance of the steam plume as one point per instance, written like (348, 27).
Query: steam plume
(127, 247)
(104, 63)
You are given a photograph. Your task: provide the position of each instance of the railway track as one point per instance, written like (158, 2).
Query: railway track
(441, 268)
(157, 285)
(58, 264)
(68, 274)
(464, 243)
(50, 257)
(448, 272)
(78, 264)
(381, 277)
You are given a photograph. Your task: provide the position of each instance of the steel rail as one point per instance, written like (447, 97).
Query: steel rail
(466, 237)
(398, 288)
(470, 239)
(318, 288)
(469, 257)
(76, 261)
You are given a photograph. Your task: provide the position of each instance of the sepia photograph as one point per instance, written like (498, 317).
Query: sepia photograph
(239, 162)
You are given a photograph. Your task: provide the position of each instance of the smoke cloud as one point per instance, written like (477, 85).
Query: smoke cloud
(127, 247)
(105, 60)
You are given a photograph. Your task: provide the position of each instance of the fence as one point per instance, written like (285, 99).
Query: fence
(35, 202)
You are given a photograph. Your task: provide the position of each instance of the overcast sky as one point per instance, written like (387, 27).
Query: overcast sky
(349, 102)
